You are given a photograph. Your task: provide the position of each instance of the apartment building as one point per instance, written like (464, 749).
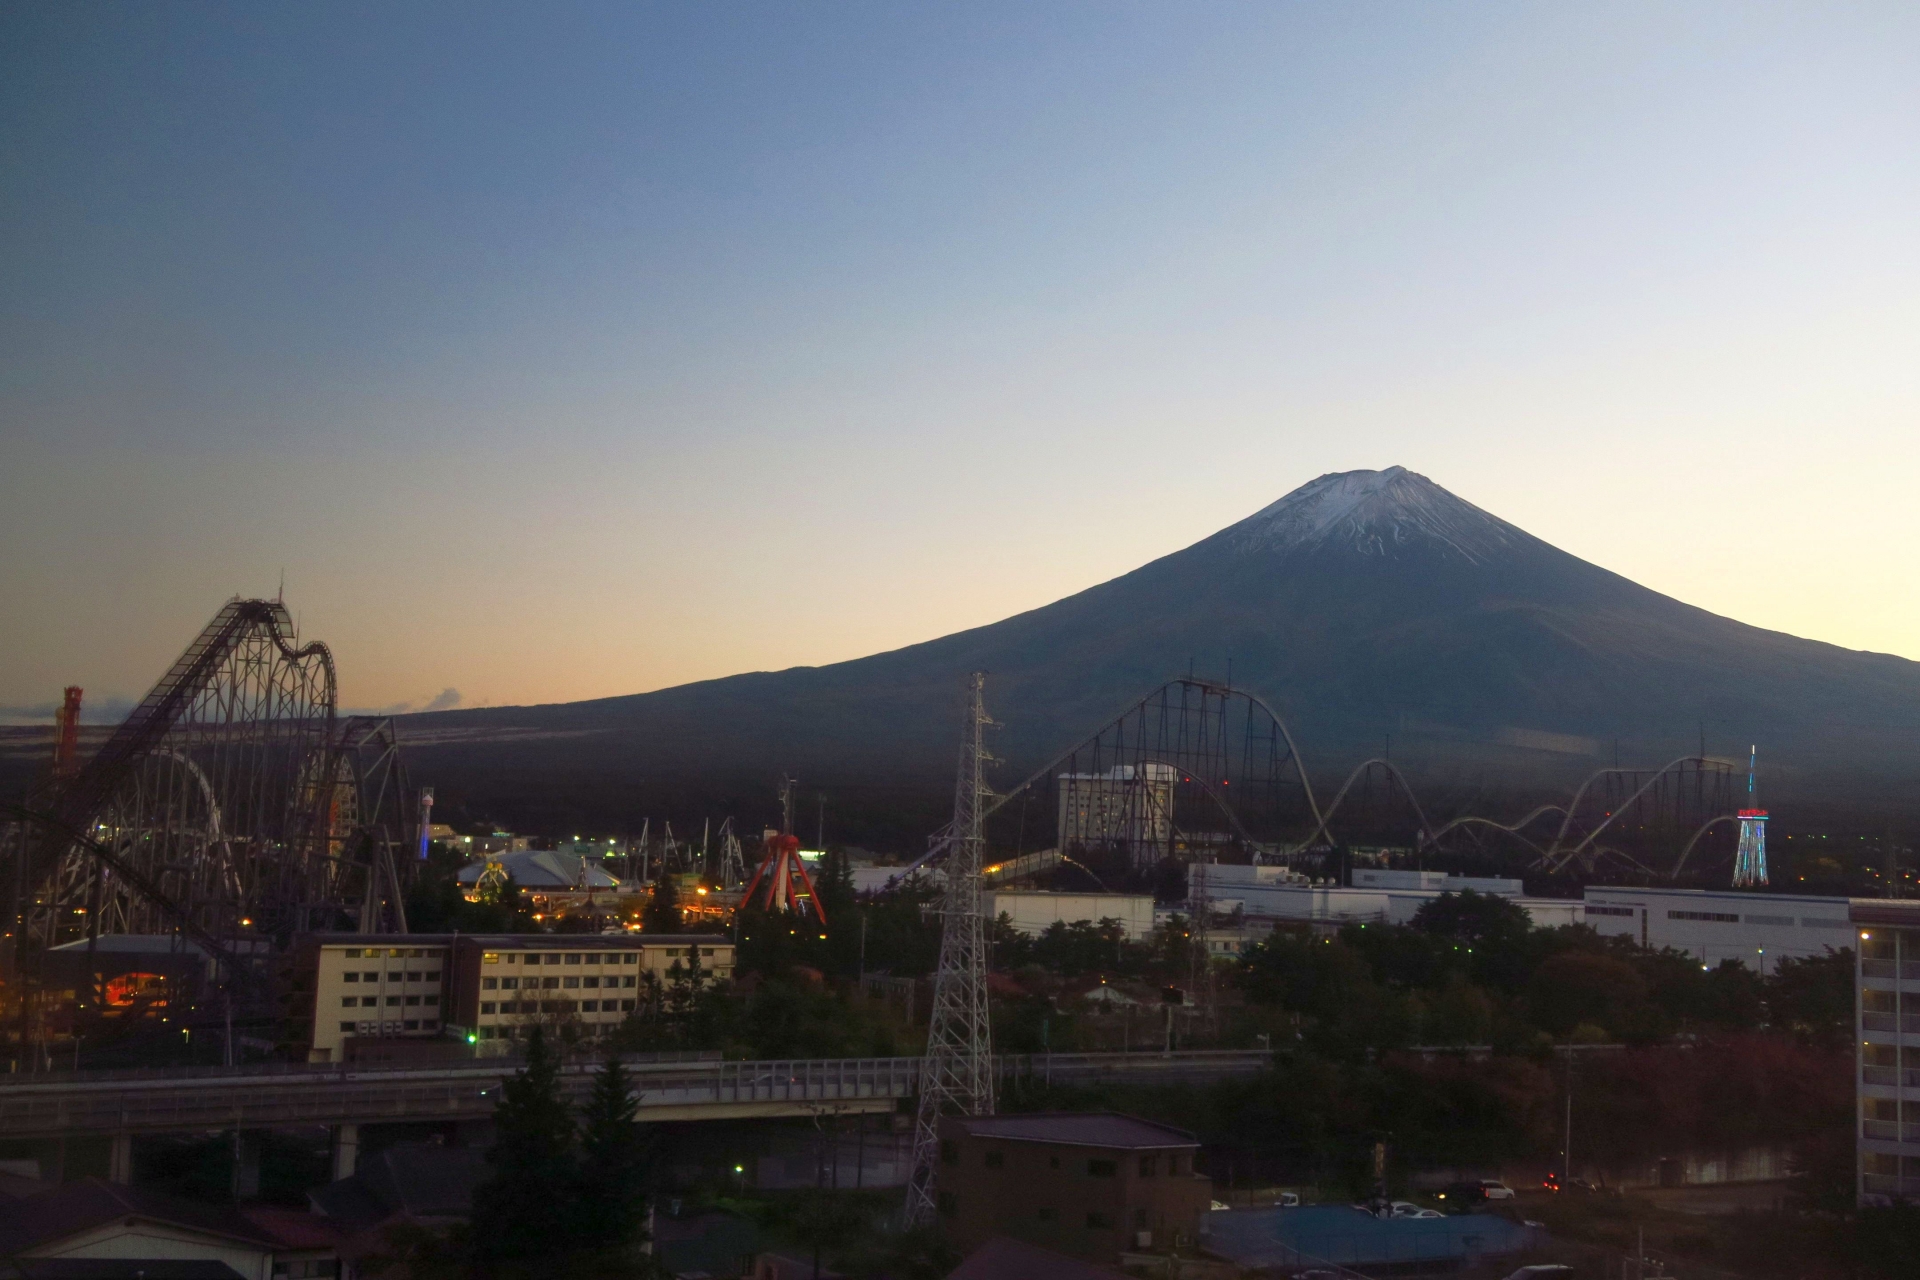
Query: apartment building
(1887, 1048)
(349, 989)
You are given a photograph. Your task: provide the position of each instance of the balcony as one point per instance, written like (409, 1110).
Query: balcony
(1880, 1184)
(1892, 1076)
(1900, 971)
(1909, 1023)
(1883, 1130)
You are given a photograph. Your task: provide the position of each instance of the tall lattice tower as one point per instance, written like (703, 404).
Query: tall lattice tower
(956, 1078)
(1750, 861)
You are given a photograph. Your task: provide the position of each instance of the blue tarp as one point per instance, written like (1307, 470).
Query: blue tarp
(1261, 1238)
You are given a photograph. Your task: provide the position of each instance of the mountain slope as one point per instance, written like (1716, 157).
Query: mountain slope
(1363, 605)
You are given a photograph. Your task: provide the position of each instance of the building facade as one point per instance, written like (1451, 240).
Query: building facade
(1087, 1184)
(1887, 1048)
(347, 989)
(1278, 894)
(1124, 806)
(1033, 911)
(1757, 929)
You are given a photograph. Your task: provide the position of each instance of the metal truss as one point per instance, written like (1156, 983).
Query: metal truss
(957, 1076)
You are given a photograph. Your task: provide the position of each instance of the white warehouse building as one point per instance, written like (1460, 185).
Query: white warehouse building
(1032, 912)
(1376, 896)
(1757, 929)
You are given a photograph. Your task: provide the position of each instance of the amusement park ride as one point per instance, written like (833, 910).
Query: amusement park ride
(235, 808)
(781, 879)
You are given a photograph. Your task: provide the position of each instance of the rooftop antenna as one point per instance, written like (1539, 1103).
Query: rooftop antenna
(1750, 860)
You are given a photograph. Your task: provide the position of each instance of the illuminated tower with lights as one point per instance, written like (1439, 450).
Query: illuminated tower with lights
(1750, 861)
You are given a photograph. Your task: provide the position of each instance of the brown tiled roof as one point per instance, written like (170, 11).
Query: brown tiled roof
(296, 1228)
(1078, 1128)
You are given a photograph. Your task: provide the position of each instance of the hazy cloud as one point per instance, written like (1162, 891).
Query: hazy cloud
(445, 700)
(111, 709)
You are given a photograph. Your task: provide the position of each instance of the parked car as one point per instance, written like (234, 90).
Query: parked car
(1494, 1189)
(1543, 1271)
(1408, 1209)
(1553, 1183)
(1288, 1200)
(1462, 1196)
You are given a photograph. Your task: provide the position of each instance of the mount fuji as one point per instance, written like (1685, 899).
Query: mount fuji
(1369, 607)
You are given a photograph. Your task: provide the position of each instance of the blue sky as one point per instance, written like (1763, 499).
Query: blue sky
(559, 351)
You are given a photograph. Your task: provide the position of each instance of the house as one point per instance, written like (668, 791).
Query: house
(408, 1182)
(115, 1269)
(91, 1220)
(1087, 1184)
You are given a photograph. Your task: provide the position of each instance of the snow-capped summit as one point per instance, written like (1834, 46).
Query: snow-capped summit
(1376, 513)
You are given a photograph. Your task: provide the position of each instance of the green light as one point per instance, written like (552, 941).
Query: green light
(472, 1038)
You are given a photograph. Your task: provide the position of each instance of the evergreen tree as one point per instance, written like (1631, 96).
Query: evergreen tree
(615, 1164)
(525, 1207)
(663, 908)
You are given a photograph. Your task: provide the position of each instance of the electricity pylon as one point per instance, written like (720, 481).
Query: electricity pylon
(956, 1077)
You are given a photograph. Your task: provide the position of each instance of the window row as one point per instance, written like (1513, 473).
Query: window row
(1096, 1168)
(570, 982)
(556, 1006)
(369, 1002)
(382, 1028)
(563, 957)
(393, 975)
(397, 953)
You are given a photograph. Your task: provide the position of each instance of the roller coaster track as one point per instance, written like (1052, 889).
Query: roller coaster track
(1567, 843)
(940, 841)
(1326, 819)
(1573, 806)
(132, 875)
(76, 806)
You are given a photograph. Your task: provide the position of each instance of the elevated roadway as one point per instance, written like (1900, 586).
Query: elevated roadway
(344, 1096)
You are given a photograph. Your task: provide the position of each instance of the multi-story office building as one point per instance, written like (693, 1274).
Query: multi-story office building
(1887, 1047)
(350, 989)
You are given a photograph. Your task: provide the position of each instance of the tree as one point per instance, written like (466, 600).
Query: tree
(1578, 987)
(663, 908)
(1814, 997)
(615, 1163)
(525, 1206)
(826, 1221)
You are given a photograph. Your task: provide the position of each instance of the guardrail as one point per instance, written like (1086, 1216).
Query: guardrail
(33, 1106)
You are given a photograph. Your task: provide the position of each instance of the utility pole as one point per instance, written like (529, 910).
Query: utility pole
(956, 1076)
(1566, 1151)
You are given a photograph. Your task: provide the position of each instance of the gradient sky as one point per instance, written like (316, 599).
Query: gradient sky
(555, 351)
